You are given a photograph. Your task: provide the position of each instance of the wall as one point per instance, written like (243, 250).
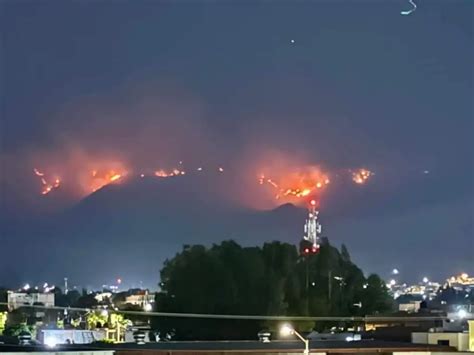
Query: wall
(458, 340)
(18, 299)
(100, 352)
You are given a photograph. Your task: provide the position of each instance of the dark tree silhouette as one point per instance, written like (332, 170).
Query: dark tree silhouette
(271, 280)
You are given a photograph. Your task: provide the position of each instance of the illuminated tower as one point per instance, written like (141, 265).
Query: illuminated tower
(312, 230)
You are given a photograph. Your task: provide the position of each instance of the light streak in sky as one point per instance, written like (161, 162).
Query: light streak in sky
(408, 12)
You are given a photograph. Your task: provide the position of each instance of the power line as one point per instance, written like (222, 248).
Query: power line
(248, 317)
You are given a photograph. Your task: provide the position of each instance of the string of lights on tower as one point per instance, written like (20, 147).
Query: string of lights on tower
(312, 231)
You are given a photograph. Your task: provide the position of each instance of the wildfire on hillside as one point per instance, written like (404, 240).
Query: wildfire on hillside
(289, 184)
(297, 184)
(47, 185)
(100, 178)
(361, 176)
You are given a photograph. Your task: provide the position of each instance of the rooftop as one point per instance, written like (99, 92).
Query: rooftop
(240, 347)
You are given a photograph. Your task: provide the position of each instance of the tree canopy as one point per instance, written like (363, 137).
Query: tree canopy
(269, 280)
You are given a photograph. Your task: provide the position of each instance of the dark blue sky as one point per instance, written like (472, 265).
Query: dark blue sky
(160, 81)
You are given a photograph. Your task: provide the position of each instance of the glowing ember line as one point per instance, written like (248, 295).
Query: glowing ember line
(299, 183)
(115, 177)
(37, 172)
(408, 12)
(100, 178)
(47, 187)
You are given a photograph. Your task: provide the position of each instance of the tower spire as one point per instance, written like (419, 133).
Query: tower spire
(312, 228)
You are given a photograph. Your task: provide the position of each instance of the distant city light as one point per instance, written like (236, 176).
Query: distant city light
(393, 282)
(286, 330)
(425, 280)
(26, 287)
(395, 271)
(462, 313)
(50, 342)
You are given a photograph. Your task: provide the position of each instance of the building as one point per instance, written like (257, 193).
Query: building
(462, 340)
(53, 337)
(103, 296)
(461, 282)
(141, 298)
(20, 299)
(409, 307)
(457, 340)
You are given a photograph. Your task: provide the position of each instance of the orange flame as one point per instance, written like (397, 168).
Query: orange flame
(100, 178)
(361, 176)
(297, 184)
(174, 172)
(115, 177)
(47, 187)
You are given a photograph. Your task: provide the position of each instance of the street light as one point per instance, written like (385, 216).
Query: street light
(50, 342)
(462, 313)
(287, 329)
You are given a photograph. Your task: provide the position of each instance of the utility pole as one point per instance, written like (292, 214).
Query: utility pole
(65, 286)
(307, 285)
(329, 285)
(307, 273)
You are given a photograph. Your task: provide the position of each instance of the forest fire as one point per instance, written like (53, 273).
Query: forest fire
(47, 186)
(285, 184)
(163, 173)
(98, 179)
(297, 184)
(361, 176)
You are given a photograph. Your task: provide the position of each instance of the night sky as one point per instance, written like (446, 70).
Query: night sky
(242, 84)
